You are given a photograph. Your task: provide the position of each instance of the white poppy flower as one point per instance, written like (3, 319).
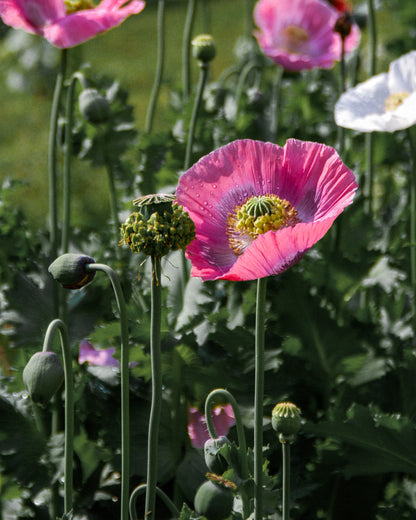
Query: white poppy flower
(384, 103)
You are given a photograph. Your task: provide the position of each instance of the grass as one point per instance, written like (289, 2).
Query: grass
(127, 53)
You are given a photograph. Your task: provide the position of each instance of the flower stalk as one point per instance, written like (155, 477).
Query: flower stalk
(258, 397)
(156, 406)
(124, 368)
(159, 66)
(59, 325)
(186, 49)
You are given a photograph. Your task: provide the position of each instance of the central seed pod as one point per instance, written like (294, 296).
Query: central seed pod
(158, 227)
(72, 6)
(295, 37)
(255, 217)
(395, 100)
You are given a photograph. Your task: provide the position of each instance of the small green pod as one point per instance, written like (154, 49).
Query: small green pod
(94, 107)
(213, 501)
(43, 375)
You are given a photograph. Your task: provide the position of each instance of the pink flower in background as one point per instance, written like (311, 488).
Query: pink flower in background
(88, 353)
(299, 34)
(223, 419)
(66, 24)
(259, 207)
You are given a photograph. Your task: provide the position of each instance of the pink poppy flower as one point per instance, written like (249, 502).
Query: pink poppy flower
(67, 24)
(299, 34)
(223, 419)
(259, 207)
(104, 358)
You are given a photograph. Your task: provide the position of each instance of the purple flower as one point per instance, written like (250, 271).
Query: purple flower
(223, 419)
(88, 353)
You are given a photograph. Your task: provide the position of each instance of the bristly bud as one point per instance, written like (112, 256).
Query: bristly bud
(43, 375)
(94, 107)
(286, 421)
(69, 270)
(215, 462)
(344, 24)
(203, 48)
(158, 227)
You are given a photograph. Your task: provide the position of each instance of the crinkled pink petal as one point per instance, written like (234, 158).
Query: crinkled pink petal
(311, 176)
(78, 27)
(88, 354)
(316, 17)
(48, 18)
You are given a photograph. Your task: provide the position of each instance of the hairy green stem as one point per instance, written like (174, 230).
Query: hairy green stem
(274, 105)
(66, 218)
(203, 76)
(412, 238)
(186, 49)
(113, 207)
(159, 66)
(161, 494)
(342, 83)
(258, 398)
(52, 167)
(372, 48)
(286, 480)
(227, 396)
(69, 405)
(124, 369)
(156, 406)
(223, 394)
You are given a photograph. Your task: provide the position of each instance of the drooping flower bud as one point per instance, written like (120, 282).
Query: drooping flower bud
(343, 25)
(69, 270)
(213, 459)
(158, 227)
(43, 375)
(286, 421)
(214, 500)
(203, 48)
(94, 107)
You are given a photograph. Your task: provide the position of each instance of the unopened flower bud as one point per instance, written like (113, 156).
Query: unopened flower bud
(158, 227)
(203, 48)
(213, 459)
(43, 375)
(69, 270)
(94, 107)
(343, 25)
(286, 421)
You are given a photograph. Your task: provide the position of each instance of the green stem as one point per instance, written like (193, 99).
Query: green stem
(248, 18)
(186, 50)
(159, 66)
(286, 480)
(274, 108)
(227, 396)
(203, 76)
(372, 48)
(66, 219)
(156, 361)
(413, 219)
(69, 405)
(258, 398)
(113, 208)
(124, 368)
(143, 487)
(241, 83)
(52, 166)
(342, 80)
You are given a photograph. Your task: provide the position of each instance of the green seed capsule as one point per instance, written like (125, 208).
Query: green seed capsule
(213, 501)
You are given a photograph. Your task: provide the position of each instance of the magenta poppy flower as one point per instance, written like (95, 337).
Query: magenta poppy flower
(259, 207)
(299, 34)
(89, 354)
(67, 24)
(223, 419)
